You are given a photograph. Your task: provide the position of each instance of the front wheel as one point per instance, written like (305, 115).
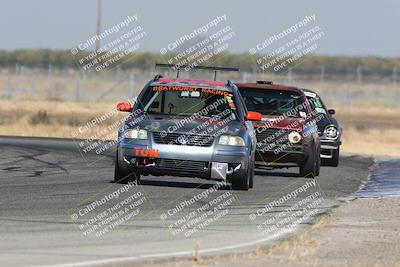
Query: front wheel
(334, 161)
(251, 180)
(318, 161)
(123, 176)
(242, 183)
(310, 167)
(244, 178)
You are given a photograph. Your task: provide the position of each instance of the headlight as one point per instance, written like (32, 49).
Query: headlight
(135, 134)
(294, 137)
(230, 140)
(331, 132)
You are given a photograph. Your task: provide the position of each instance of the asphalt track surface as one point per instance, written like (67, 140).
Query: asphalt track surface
(46, 186)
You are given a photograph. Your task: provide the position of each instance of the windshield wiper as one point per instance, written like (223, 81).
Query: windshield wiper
(274, 113)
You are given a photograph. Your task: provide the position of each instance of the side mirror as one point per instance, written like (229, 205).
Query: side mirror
(331, 111)
(253, 116)
(124, 106)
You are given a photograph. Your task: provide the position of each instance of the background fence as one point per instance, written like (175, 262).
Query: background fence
(71, 85)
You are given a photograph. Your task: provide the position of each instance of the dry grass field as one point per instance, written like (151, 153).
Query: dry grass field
(370, 130)
(57, 119)
(36, 103)
(367, 130)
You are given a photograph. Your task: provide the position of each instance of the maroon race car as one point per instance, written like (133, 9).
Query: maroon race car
(287, 135)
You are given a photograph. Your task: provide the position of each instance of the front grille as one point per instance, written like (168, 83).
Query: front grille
(183, 165)
(183, 139)
(272, 136)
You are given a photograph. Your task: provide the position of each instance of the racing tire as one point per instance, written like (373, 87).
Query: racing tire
(251, 179)
(334, 161)
(122, 176)
(309, 168)
(242, 181)
(318, 167)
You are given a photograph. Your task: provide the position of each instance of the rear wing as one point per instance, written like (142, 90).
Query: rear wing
(189, 67)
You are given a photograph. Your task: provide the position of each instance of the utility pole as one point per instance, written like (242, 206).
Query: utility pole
(322, 81)
(289, 74)
(131, 86)
(359, 74)
(394, 74)
(77, 87)
(322, 78)
(98, 24)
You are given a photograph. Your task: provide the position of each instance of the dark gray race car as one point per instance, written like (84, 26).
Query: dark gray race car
(328, 128)
(192, 128)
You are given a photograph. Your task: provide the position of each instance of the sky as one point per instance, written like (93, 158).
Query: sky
(350, 27)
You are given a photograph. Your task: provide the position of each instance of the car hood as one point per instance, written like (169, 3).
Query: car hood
(276, 122)
(184, 125)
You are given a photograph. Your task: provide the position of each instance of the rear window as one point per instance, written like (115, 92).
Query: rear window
(273, 102)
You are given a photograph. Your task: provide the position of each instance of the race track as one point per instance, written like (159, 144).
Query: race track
(46, 183)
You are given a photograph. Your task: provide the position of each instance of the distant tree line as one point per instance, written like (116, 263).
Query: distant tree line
(311, 64)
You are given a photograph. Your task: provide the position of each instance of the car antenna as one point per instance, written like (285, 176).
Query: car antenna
(189, 67)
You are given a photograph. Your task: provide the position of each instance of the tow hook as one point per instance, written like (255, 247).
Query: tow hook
(233, 170)
(219, 170)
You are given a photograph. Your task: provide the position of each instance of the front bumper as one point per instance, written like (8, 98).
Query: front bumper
(213, 162)
(328, 147)
(282, 155)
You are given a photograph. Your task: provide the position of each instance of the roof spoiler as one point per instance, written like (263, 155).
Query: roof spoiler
(189, 67)
(264, 82)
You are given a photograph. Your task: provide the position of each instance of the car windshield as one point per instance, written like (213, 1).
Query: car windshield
(272, 102)
(316, 104)
(188, 101)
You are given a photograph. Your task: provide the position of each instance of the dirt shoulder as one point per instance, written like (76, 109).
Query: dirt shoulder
(363, 232)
